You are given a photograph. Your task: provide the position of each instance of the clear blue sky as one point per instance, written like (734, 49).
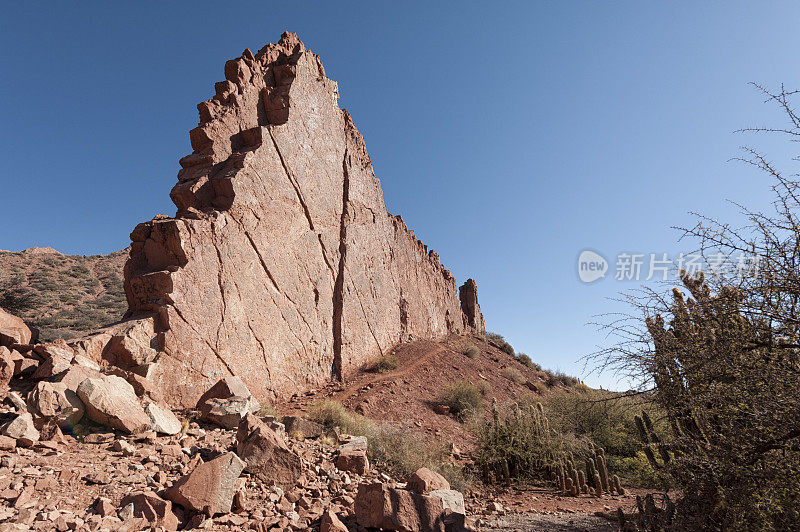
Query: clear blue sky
(510, 136)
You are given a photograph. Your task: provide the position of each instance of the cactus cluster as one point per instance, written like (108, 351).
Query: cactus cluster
(519, 443)
(593, 480)
(651, 441)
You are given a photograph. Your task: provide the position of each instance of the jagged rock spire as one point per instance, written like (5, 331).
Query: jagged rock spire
(282, 265)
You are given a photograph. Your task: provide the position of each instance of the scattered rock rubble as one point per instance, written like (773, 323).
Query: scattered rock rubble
(85, 447)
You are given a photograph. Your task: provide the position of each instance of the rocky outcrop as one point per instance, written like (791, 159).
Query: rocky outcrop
(282, 265)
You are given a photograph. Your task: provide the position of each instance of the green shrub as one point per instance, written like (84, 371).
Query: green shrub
(555, 378)
(525, 360)
(499, 342)
(385, 363)
(636, 470)
(468, 349)
(513, 374)
(463, 398)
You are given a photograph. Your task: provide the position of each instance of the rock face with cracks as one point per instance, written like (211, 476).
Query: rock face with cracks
(282, 264)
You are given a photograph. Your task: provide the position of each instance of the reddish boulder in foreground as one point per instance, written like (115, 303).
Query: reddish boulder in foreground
(210, 486)
(153, 508)
(424, 480)
(111, 401)
(380, 506)
(13, 330)
(265, 453)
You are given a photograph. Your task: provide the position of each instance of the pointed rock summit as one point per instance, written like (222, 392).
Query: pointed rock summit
(282, 265)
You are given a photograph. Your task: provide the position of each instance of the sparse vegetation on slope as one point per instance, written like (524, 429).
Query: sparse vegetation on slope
(463, 398)
(513, 374)
(388, 445)
(385, 363)
(499, 342)
(63, 295)
(468, 349)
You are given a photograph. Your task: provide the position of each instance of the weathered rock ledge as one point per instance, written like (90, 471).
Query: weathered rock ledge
(282, 264)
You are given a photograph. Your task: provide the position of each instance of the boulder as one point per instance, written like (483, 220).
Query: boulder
(354, 461)
(53, 367)
(111, 401)
(22, 429)
(55, 348)
(143, 386)
(209, 488)
(19, 404)
(11, 359)
(330, 522)
(13, 330)
(354, 443)
(53, 401)
(455, 513)
(300, 427)
(228, 388)
(132, 343)
(77, 374)
(265, 454)
(226, 413)
(162, 419)
(86, 362)
(425, 480)
(282, 264)
(378, 505)
(153, 508)
(28, 366)
(7, 369)
(7, 443)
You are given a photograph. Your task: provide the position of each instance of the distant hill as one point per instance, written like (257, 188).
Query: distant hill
(62, 295)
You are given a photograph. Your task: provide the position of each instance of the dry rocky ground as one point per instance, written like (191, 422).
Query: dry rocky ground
(91, 448)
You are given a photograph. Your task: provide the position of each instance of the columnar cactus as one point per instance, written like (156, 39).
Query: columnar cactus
(582, 481)
(617, 485)
(598, 484)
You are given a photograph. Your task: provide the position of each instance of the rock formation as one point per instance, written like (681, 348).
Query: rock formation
(282, 265)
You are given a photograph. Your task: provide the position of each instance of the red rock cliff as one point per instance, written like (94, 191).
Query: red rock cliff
(282, 264)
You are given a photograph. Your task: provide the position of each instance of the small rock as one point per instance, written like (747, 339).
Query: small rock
(163, 420)
(22, 429)
(425, 480)
(103, 506)
(331, 523)
(124, 447)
